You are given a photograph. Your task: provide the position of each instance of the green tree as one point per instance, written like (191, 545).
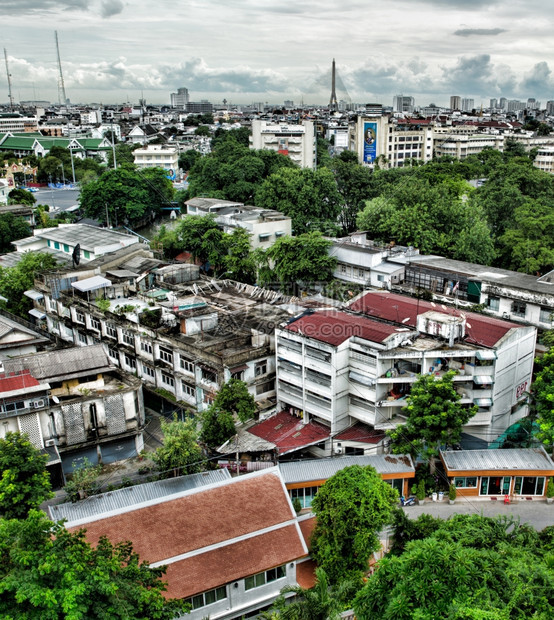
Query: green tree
(435, 417)
(217, 426)
(351, 509)
(19, 278)
(309, 197)
(180, 453)
(238, 262)
(84, 481)
(21, 197)
(297, 259)
(125, 195)
(47, 573)
(24, 481)
(11, 229)
(123, 154)
(543, 398)
(202, 130)
(234, 398)
(187, 159)
(354, 185)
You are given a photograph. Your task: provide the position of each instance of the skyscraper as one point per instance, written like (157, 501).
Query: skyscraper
(455, 102)
(180, 98)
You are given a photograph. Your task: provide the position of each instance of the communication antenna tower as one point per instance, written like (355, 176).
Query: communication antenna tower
(9, 79)
(61, 86)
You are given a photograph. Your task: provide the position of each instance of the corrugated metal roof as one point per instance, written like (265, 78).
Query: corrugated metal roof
(322, 469)
(513, 459)
(131, 496)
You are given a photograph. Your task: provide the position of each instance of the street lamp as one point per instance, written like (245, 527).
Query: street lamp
(72, 165)
(63, 173)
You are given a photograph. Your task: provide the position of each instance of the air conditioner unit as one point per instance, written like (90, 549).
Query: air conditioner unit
(338, 450)
(50, 442)
(38, 403)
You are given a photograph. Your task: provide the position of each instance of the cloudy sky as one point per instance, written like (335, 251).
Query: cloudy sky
(271, 50)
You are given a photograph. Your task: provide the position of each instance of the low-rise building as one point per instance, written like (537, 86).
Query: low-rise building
(157, 156)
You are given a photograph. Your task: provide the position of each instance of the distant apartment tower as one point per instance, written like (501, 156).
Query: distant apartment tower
(514, 105)
(533, 104)
(295, 141)
(403, 104)
(288, 104)
(180, 98)
(550, 108)
(455, 102)
(503, 103)
(493, 104)
(467, 104)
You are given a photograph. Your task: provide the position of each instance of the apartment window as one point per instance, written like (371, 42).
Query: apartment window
(188, 390)
(209, 375)
(56, 245)
(168, 379)
(518, 308)
(65, 247)
(268, 386)
(260, 368)
(82, 337)
(86, 253)
(381, 278)
(186, 365)
(113, 353)
(111, 331)
(318, 354)
(148, 371)
(545, 315)
(267, 576)
(166, 355)
(146, 347)
(95, 324)
(79, 317)
(207, 598)
(131, 362)
(493, 303)
(239, 375)
(343, 268)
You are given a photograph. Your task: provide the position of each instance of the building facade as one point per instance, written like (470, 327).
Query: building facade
(294, 141)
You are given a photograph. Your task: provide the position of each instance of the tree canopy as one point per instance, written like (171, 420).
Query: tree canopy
(48, 572)
(11, 229)
(435, 417)
(180, 453)
(24, 481)
(21, 197)
(543, 398)
(351, 509)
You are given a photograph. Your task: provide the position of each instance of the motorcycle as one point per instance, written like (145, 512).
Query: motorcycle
(410, 501)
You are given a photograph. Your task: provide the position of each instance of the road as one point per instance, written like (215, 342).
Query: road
(60, 199)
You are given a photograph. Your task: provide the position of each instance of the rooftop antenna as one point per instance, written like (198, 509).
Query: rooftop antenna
(9, 79)
(333, 104)
(61, 86)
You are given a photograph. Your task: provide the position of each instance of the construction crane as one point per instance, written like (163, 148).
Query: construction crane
(9, 79)
(61, 86)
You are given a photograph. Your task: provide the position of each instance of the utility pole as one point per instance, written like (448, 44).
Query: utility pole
(9, 79)
(61, 86)
(72, 164)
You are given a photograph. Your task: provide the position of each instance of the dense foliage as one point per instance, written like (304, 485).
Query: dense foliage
(543, 398)
(180, 453)
(49, 573)
(351, 509)
(12, 228)
(24, 481)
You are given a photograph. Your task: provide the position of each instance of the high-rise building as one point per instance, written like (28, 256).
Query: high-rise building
(468, 104)
(403, 104)
(550, 108)
(493, 104)
(180, 98)
(533, 104)
(455, 102)
(503, 103)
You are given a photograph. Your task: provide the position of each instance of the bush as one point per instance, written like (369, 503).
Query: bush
(296, 505)
(420, 492)
(550, 488)
(452, 492)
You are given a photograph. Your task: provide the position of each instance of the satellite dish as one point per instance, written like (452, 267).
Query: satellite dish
(76, 256)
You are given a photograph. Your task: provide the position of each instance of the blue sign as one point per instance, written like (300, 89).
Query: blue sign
(370, 142)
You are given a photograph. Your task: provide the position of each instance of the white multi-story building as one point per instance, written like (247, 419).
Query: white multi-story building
(4, 191)
(338, 368)
(545, 159)
(461, 146)
(180, 98)
(157, 156)
(294, 141)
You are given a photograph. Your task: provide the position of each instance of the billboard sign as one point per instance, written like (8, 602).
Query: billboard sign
(370, 142)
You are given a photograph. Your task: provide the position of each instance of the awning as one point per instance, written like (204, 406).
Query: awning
(91, 284)
(238, 369)
(482, 402)
(363, 379)
(485, 354)
(34, 295)
(37, 313)
(482, 379)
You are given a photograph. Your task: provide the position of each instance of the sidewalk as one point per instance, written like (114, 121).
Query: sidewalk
(537, 513)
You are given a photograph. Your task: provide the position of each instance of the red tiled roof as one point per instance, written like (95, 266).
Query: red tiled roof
(305, 574)
(288, 432)
(17, 381)
(208, 517)
(361, 432)
(480, 330)
(209, 570)
(307, 527)
(334, 327)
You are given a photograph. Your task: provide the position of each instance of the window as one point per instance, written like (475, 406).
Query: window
(238, 376)
(146, 347)
(343, 268)
(168, 379)
(95, 324)
(529, 485)
(260, 368)
(113, 353)
(87, 254)
(188, 390)
(381, 278)
(466, 483)
(262, 388)
(305, 495)
(148, 371)
(56, 245)
(317, 354)
(131, 362)
(65, 247)
(111, 331)
(207, 598)
(351, 451)
(82, 337)
(261, 579)
(493, 303)
(79, 316)
(545, 315)
(166, 355)
(209, 375)
(128, 338)
(518, 308)
(186, 365)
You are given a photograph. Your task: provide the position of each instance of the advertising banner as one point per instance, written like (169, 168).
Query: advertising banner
(370, 142)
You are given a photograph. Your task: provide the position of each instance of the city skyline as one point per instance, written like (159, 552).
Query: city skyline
(114, 50)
